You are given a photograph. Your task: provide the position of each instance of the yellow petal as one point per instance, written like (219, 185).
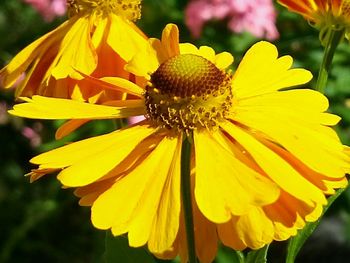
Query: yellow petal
(115, 83)
(298, 100)
(315, 214)
(89, 193)
(36, 174)
(285, 210)
(207, 53)
(124, 39)
(309, 141)
(291, 213)
(25, 83)
(65, 156)
(255, 229)
(52, 108)
(218, 172)
(77, 94)
(90, 159)
(68, 59)
(323, 182)
(282, 232)
(275, 167)
(229, 236)
(24, 58)
(170, 40)
(134, 213)
(100, 163)
(101, 29)
(146, 62)
(188, 48)
(168, 215)
(68, 127)
(331, 185)
(160, 53)
(260, 72)
(206, 238)
(223, 60)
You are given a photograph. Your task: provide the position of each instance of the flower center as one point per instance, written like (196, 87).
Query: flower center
(346, 8)
(129, 9)
(188, 92)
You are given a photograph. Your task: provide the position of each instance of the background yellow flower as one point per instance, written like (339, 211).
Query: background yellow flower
(98, 38)
(324, 14)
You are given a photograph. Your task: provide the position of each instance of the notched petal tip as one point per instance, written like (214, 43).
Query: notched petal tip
(223, 60)
(36, 174)
(264, 45)
(170, 40)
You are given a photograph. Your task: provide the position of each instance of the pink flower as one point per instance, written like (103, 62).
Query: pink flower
(255, 16)
(4, 118)
(49, 9)
(135, 119)
(33, 134)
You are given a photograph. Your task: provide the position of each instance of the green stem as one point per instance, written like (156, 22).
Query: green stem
(187, 198)
(332, 41)
(119, 123)
(240, 256)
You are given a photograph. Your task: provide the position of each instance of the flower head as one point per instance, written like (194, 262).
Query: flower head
(257, 16)
(324, 14)
(97, 39)
(253, 179)
(129, 9)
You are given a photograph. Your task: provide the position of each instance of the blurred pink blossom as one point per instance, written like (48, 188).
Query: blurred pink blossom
(255, 16)
(135, 119)
(49, 9)
(33, 134)
(3, 113)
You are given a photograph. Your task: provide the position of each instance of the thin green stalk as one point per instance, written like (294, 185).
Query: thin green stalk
(240, 256)
(119, 123)
(187, 198)
(333, 40)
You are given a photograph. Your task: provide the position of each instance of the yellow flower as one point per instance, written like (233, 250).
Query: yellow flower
(263, 158)
(97, 39)
(324, 14)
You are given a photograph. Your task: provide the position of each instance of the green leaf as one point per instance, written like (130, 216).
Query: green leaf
(257, 256)
(118, 250)
(296, 243)
(227, 255)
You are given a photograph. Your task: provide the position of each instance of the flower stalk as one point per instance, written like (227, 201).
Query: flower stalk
(332, 41)
(187, 198)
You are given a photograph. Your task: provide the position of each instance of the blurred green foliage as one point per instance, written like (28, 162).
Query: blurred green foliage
(40, 222)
